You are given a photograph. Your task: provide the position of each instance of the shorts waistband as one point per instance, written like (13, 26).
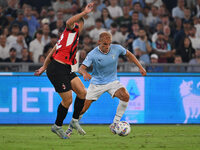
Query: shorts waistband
(60, 64)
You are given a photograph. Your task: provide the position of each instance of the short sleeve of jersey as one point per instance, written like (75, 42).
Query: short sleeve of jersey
(88, 60)
(122, 50)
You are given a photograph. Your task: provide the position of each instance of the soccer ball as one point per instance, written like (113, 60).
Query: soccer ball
(122, 128)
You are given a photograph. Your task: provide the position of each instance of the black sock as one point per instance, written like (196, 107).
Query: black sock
(61, 114)
(78, 106)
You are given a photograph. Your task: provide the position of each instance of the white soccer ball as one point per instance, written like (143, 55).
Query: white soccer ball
(123, 128)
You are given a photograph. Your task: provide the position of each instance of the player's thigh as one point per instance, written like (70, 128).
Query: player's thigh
(95, 91)
(66, 98)
(78, 87)
(122, 94)
(113, 87)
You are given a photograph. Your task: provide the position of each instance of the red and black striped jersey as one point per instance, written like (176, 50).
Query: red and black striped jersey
(66, 47)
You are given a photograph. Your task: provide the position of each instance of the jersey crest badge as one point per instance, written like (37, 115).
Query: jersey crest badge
(113, 56)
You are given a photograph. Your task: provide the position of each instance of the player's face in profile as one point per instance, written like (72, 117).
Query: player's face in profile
(104, 44)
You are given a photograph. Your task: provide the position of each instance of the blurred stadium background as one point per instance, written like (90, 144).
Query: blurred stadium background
(170, 94)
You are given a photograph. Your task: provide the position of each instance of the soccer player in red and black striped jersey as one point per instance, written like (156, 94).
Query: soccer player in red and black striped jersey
(58, 68)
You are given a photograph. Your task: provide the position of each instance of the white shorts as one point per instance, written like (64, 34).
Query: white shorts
(95, 91)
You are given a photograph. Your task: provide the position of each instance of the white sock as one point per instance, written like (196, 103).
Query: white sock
(75, 120)
(80, 117)
(120, 111)
(58, 126)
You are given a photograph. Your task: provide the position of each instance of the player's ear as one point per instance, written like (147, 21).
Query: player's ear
(99, 42)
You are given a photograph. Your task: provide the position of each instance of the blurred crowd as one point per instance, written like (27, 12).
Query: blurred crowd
(156, 31)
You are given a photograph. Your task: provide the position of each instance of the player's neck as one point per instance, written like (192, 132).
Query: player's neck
(102, 51)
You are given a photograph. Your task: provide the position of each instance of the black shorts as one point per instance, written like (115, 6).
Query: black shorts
(60, 76)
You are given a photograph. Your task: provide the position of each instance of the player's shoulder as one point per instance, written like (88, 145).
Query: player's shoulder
(74, 27)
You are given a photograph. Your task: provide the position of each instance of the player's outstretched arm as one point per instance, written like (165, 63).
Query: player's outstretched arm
(84, 73)
(132, 58)
(46, 62)
(70, 22)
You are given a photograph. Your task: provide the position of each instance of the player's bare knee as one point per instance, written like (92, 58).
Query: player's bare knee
(66, 102)
(82, 94)
(125, 97)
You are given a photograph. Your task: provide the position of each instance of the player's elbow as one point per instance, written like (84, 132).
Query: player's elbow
(128, 53)
(68, 23)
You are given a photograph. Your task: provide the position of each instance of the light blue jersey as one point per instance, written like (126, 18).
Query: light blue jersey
(104, 65)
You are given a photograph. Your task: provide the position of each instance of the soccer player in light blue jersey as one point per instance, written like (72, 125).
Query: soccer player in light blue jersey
(104, 59)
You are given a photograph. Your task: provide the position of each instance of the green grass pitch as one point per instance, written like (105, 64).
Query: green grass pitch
(99, 137)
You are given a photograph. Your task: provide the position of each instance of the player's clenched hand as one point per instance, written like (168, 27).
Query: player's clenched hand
(87, 76)
(143, 72)
(39, 71)
(89, 8)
